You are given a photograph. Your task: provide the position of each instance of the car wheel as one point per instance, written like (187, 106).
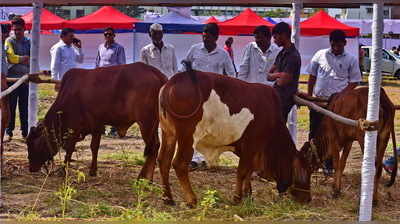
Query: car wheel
(397, 74)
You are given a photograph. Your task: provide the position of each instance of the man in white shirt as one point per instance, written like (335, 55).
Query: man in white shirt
(258, 57)
(208, 57)
(65, 54)
(332, 71)
(159, 54)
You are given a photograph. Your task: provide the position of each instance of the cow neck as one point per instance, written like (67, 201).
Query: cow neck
(53, 135)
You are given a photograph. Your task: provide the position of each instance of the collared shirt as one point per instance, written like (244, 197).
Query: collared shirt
(15, 49)
(216, 61)
(288, 61)
(333, 73)
(63, 58)
(110, 55)
(256, 64)
(165, 60)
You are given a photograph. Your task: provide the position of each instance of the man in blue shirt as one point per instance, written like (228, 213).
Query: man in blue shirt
(110, 53)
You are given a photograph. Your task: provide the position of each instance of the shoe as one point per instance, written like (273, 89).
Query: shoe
(9, 138)
(195, 165)
(389, 164)
(112, 134)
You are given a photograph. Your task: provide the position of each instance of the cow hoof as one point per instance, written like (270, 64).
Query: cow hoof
(169, 202)
(335, 194)
(236, 200)
(191, 205)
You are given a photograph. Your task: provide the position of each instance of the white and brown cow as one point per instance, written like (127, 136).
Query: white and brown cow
(215, 113)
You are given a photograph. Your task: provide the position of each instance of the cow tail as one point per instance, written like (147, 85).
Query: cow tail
(193, 77)
(394, 170)
(190, 71)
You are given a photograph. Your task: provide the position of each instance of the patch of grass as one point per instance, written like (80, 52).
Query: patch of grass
(247, 208)
(226, 161)
(127, 157)
(287, 209)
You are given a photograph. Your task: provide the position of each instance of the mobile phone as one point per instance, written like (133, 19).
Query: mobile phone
(75, 40)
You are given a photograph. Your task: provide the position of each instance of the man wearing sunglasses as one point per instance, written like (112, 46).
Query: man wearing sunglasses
(110, 53)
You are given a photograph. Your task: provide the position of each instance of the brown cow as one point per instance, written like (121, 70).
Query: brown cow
(335, 137)
(215, 113)
(90, 99)
(5, 117)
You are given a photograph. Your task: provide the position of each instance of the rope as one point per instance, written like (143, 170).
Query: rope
(365, 125)
(300, 189)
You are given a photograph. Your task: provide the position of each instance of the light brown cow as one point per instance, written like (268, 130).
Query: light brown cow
(215, 113)
(334, 137)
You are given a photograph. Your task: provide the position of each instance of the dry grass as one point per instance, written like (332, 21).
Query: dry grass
(110, 195)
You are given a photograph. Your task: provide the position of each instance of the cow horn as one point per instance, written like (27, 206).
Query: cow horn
(325, 112)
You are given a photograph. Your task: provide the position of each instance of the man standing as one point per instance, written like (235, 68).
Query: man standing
(65, 54)
(18, 50)
(159, 54)
(286, 69)
(208, 57)
(110, 53)
(332, 71)
(228, 48)
(259, 56)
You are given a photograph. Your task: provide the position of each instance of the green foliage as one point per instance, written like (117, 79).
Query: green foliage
(208, 202)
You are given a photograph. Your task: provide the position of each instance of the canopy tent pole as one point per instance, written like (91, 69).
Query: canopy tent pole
(292, 120)
(1, 139)
(34, 64)
(374, 80)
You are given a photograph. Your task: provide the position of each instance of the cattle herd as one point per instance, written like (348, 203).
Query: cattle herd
(199, 111)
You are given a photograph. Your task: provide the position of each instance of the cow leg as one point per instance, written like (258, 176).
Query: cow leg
(340, 168)
(181, 166)
(243, 173)
(69, 149)
(247, 190)
(149, 131)
(164, 161)
(94, 146)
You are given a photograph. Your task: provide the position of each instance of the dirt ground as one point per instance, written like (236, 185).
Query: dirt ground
(115, 195)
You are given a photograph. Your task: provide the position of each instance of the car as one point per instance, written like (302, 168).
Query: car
(390, 62)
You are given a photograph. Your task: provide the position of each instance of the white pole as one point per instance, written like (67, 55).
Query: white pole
(292, 120)
(1, 140)
(374, 79)
(34, 64)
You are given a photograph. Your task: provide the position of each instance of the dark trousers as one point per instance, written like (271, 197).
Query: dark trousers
(19, 96)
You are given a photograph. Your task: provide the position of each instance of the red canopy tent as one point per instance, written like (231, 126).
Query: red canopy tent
(244, 23)
(322, 24)
(48, 20)
(212, 19)
(106, 16)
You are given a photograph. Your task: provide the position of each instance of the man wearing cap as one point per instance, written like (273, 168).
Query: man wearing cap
(159, 54)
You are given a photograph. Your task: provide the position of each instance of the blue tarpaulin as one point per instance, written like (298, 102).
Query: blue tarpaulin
(172, 22)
